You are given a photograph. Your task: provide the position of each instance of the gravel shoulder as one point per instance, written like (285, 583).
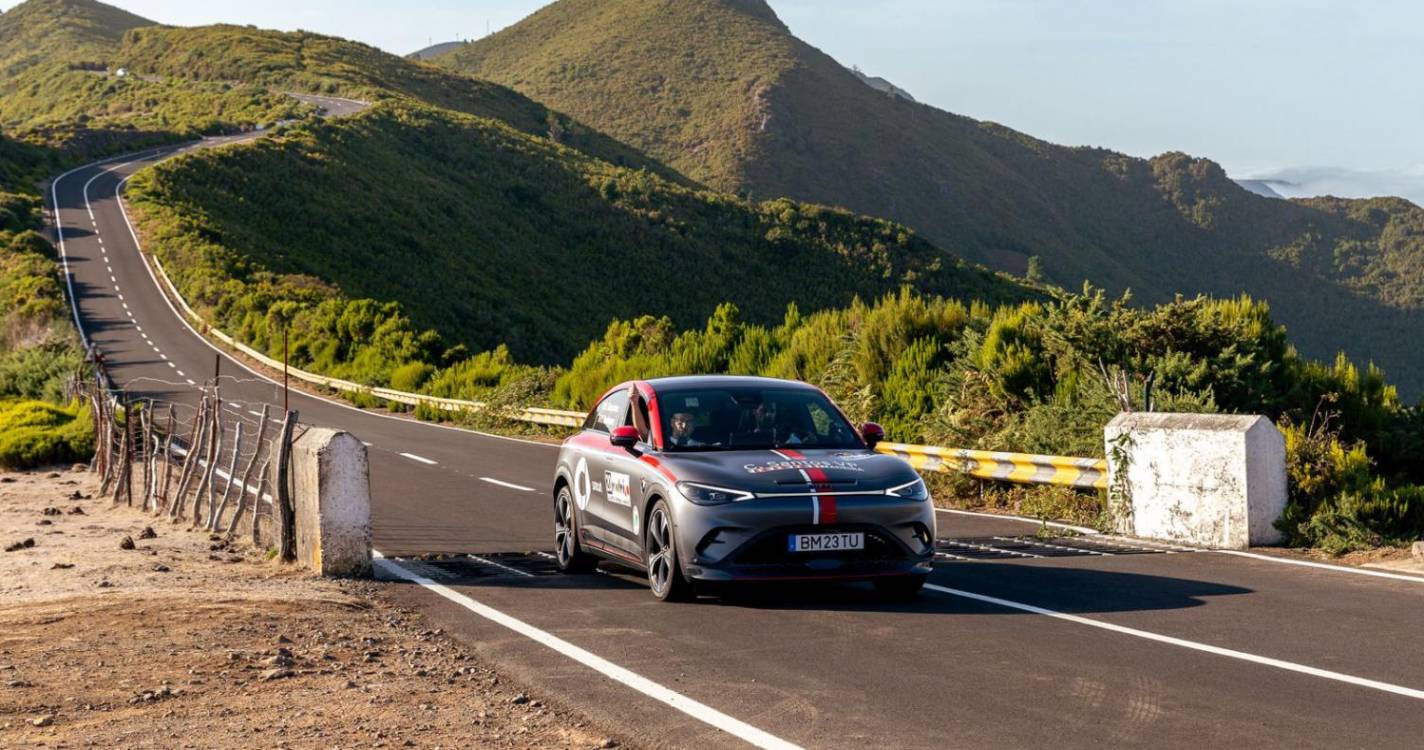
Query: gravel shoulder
(183, 641)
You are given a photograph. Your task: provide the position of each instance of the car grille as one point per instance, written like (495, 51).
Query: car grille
(770, 547)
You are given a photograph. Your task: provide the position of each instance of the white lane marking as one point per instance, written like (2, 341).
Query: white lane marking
(421, 459)
(1324, 566)
(140, 330)
(253, 413)
(1184, 643)
(121, 297)
(988, 548)
(700, 711)
(170, 364)
(1046, 545)
(1055, 524)
(100, 239)
(155, 347)
(190, 382)
(519, 487)
(505, 568)
(112, 280)
(181, 375)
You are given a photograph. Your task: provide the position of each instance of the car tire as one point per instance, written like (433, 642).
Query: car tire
(900, 588)
(568, 554)
(665, 577)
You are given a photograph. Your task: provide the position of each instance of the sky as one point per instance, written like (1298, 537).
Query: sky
(1283, 89)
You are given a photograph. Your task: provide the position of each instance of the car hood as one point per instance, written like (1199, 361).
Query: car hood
(788, 471)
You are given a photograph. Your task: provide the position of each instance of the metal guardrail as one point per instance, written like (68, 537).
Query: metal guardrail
(552, 417)
(1022, 468)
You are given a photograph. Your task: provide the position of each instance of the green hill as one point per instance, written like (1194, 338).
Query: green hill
(721, 91)
(492, 236)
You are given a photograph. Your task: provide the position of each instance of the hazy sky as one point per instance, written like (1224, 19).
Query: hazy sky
(1259, 85)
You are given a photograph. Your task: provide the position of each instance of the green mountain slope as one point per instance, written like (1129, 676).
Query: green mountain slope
(491, 236)
(721, 91)
(43, 31)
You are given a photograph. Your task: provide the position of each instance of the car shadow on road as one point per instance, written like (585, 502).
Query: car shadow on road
(1071, 590)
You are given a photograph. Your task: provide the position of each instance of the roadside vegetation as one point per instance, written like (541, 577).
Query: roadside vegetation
(39, 347)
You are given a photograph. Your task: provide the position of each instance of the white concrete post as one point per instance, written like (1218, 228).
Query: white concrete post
(1216, 480)
(332, 495)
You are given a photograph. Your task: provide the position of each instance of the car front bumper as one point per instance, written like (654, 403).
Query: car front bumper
(747, 540)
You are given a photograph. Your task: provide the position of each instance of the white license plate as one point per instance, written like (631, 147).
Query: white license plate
(825, 542)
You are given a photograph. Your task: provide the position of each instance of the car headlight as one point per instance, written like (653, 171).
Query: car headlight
(915, 490)
(706, 494)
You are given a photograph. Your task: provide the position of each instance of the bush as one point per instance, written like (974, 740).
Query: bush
(33, 433)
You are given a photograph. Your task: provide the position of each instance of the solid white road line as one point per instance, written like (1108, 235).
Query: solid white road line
(1184, 643)
(519, 487)
(421, 459)
(700, 711)
(1323, 566)
(1000, 516)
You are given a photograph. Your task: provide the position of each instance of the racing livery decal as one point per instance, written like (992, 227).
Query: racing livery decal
(617, 486)
(582, 490)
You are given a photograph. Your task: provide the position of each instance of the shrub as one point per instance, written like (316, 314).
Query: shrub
(33, 433)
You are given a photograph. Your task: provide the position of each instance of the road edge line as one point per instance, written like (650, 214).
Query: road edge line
(1323, 566)
(695, 709)
(1184, 643)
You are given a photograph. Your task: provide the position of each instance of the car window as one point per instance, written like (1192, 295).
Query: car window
(611, 412)
(752, 417)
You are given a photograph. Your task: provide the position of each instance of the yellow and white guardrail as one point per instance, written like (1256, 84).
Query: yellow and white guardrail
(1022, 468)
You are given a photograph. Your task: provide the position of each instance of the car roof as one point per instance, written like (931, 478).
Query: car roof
(723, 381)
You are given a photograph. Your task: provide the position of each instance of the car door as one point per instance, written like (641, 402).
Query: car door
(600, 462)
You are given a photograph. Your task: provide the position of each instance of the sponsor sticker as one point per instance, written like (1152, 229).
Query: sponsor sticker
(618, 491)
(798, 465)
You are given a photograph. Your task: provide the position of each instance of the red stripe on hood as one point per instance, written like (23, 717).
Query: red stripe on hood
(817, 476)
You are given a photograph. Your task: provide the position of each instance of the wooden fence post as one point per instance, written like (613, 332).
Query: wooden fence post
(247, 476)
(286, 512)
(215, 512)
(196, 442)
(257, 498)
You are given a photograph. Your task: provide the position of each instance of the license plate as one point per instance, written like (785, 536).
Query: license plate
(825, 542)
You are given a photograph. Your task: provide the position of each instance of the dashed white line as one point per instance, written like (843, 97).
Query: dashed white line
(421, 459)
(190, 382)
(1183, 643)
(511, 486)
(249, 411)
(170, 364)
(505, 568)
(181, 375)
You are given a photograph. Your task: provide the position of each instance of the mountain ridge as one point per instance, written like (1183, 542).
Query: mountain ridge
(728, 96)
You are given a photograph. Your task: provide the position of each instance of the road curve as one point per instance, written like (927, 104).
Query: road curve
(1018, 644)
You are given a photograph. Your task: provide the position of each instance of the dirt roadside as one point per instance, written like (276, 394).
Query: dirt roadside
(184, 642)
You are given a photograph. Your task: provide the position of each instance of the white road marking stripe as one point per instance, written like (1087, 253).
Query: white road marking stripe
(505, 568)
(181, 375)
(699, 711)
(112, 280)
(1324, 566)
(421, 459)
(190, 382)
(1055, 524)
(989, 548)
(1046, 545)
(254, 413)
(121, 297)
(519, 487)
(170, 364)
(1182, 642)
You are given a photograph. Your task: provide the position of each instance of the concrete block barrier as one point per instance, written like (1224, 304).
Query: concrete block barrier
(331, 491)
(1215, 480)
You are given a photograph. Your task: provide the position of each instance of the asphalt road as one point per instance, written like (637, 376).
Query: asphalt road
(1019, 643)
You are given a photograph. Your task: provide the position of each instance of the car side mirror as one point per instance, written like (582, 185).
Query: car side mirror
(872, 433)
(624, 437)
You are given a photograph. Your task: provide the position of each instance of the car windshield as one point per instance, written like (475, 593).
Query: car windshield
(750, 418)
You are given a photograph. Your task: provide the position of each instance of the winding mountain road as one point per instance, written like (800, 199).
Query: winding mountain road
(1019, 641)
